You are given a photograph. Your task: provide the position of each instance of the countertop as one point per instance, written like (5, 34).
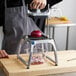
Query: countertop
(66, 66)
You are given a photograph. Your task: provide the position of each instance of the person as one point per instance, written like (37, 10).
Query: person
(40, 20)
(33, 4)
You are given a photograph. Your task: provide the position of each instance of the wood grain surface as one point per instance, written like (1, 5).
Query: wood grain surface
(66, 63)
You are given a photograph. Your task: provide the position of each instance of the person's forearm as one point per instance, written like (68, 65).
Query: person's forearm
(53, 2)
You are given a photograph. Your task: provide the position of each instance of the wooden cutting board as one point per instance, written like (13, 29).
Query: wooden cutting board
(56, 20)
(66, 63)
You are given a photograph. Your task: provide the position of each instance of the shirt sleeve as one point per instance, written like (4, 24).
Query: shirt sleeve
(1, 12)
(28, 1)
(53, 2)
(15, 3)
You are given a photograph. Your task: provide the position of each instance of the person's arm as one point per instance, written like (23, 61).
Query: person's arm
(3, 54)
(53, 2)
(1, 12)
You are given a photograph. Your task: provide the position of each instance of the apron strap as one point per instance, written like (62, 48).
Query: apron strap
(23, 1)
(5, 3)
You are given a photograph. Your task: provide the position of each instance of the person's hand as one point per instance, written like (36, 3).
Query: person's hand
(3, 54)
(38, 4)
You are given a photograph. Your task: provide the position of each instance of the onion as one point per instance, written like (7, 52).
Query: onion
(36, 33)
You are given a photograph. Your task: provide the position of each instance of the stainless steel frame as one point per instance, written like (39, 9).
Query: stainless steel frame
(34, 42)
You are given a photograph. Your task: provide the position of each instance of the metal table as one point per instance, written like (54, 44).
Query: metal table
(53, 26)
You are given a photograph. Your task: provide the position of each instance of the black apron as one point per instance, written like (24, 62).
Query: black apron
(16, 27)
